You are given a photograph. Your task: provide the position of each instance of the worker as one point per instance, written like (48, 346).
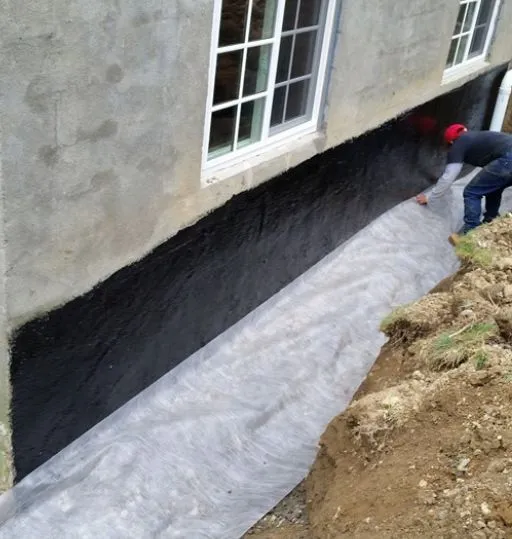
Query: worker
(490, 150)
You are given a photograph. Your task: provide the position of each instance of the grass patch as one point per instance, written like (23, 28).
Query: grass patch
(390, 320)
(481, 359)
(415, 320)
(468, 250)
(449, 350)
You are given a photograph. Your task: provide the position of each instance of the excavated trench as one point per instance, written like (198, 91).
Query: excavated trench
(172, 437)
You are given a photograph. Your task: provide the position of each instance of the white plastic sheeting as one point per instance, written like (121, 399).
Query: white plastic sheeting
(213, 445)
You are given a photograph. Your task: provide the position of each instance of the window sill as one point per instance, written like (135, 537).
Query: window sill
(285, 153)
(463, 70)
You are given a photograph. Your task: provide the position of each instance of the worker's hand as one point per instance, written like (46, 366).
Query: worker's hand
(422, 199)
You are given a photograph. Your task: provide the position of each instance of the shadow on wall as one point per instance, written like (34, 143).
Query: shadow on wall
(76, 365)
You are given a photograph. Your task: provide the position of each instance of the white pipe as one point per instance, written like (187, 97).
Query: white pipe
(502, 102)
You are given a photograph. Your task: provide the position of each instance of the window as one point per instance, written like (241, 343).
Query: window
(473, 31)
(267, 73)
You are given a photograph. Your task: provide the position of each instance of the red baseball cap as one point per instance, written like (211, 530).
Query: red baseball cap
(453, 132)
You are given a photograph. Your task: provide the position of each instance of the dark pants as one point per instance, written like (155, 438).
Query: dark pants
(490, 183)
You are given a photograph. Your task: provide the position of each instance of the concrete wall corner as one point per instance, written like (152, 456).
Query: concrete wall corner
(6, 460)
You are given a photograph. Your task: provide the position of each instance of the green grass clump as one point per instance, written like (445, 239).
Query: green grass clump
(390, 320)
(468, 250)
(481, 359)
(449, 350)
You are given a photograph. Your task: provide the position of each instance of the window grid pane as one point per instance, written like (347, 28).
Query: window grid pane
(278, 107)
(460, 19)
(251, 115)
(296, 61)
(478, 42)
(222, 133)
(309, 13)
(471, 31)
(256, 70)
(249, 96)
(241, 73)
(290, 14)
(263, 19)
(303, 55)
(451, 54)
(296, 104)
(285, 56)
(461, 51)
(485, 14)
(233, 22)
(228, 76)
(470, 17)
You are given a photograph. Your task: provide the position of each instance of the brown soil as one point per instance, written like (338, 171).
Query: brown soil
(425, 448)
(507, 124)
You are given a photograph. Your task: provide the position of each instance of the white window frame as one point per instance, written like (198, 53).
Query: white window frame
(210, 166)
(477, 61)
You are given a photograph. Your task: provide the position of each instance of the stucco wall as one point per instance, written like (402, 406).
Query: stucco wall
(74, 366)
(103, 110)
(6, 472)
(390, 56)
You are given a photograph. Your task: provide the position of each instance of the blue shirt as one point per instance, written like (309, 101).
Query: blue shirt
(479, 148)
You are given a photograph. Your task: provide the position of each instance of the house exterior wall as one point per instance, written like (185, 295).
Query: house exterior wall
(78, 364)
(103, 107)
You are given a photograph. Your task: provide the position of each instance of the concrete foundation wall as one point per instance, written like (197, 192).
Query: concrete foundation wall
(76, 365)
(6, 469)
(103, 110)
(391, 55)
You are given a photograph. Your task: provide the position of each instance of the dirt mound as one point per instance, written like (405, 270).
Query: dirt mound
(428, 458)
(425, 448)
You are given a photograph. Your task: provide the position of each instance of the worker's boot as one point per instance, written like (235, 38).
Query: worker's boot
(487, 220)
(454, 239)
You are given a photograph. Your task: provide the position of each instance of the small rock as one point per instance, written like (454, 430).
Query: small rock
(297, 514)
(505, 263)
(480, 524)
(466, 438)
(428, 498)
(480, 379)
(422, 483)
(492, 525)
(507, 291)
(497, 465)
(463, 464)
(442, 515)
(486, 510)
(505, 513)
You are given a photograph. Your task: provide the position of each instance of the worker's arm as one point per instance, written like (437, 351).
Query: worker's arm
(450, 174)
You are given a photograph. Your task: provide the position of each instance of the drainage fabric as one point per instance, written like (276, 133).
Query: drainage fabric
(214, 444)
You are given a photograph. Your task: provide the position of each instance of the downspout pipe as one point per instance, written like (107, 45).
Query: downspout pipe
(502, 102)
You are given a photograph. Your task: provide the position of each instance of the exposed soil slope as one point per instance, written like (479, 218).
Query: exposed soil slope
(425, 448)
